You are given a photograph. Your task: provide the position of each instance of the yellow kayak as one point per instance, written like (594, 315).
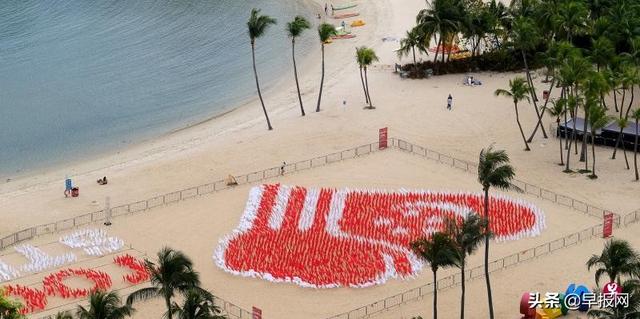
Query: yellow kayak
(357, 23)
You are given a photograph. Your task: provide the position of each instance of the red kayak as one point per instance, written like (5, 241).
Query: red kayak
(346, 15)
(343, 36)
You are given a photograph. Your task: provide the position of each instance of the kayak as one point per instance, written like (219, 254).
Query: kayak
(345, 6)
(346, 15)
(357, 23)
(343, 36)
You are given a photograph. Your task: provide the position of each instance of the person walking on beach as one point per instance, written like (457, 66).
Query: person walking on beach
(326, 10)
(449, 102)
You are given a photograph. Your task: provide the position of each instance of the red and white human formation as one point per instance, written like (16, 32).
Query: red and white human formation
(327, 238)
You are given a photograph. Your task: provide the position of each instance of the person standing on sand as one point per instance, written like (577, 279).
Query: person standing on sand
(326, 10)
(449, 102)
(333, 11)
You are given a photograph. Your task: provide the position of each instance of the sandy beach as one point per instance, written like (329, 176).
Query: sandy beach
(238, 143)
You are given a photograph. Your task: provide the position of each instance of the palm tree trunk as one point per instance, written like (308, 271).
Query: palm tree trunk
(615, 148)
(615, 99)
(574, 136)
(167, 302)
(486, 253)
(541, 115)
(635, 153)
(435, 59)
(321, 79)
(366, 83)
(524, 139)
(463, 288)
(364, 89)
(583, 149)
(593, 155)
(566, 134)
(624, 151)
(567, 169)
(295, 72)
(560, 140)
(435, 295)
(415, 63)
(255, 73)
(532, 91)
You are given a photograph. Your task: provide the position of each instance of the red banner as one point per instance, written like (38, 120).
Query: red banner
(257, 313)
(383, 138)
(607, 225)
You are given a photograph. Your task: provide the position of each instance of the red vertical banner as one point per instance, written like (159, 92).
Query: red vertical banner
(607, 225)
(257, 313)
(382, 139)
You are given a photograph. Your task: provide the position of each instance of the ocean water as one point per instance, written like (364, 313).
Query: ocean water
(87, 77)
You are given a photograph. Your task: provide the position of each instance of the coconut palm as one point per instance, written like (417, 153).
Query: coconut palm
(616, 260)
(258, 25)
(438, 251)
(325, 31)
(557, 110)
(408, 45)
(9, 309)
(197, 304)
(467, 235)
(526, 36)
(360, 59)
(63, 315)
(620, 311)
(598, 119)
(572, 19)
(636, 117)
(295, 29)
(365, 57)
(622, 124)
(440, 20)
(517, 91)
(594, 85)
(172, 273)
(104, 305)
(493, 171)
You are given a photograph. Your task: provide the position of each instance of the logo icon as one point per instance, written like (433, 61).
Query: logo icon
(327, 238)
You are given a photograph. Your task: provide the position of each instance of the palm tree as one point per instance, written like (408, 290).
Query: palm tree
(525, 36)
(617, 259)
(63, 315)
(325, 31)
(622, 124)
(365, 56)
(629, 311)
(441, 18)
(104, 305)
(557, 110)
(598, 119)
(258, 25)
(636, 117)
(198, 304)
(172, 274)
(408, 45)
(493, 171)
(467, 236)
(295, 29)
(361, 61)
(9, 309)
(438, 251)
(594, 85)
(517, 91)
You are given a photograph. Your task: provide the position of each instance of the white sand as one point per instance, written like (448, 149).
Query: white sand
(238, 143)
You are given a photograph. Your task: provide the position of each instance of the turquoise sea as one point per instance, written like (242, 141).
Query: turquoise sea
(82, 78)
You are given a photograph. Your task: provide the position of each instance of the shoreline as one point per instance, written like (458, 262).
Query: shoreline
(132, 151)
